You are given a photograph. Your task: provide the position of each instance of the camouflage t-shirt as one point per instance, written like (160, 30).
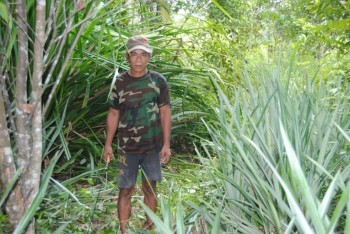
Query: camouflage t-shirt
(138, 101)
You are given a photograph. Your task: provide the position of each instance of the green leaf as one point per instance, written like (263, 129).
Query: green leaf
(4, 14)
(221, 8)
(337, 26)
(10, 186)
(163, 228)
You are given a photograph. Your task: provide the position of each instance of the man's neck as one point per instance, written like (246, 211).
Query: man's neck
(137, 74)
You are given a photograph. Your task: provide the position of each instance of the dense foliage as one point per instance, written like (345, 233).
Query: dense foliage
(260, 104)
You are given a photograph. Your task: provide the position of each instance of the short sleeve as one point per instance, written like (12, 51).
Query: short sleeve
(164, 96)
(114, 99)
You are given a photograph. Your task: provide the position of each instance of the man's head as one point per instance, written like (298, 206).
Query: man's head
(138, 54)
(138, 42)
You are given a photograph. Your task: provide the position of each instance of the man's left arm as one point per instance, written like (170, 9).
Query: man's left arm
(165, 121)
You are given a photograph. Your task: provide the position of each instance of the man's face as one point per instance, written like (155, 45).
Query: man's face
(138, 61)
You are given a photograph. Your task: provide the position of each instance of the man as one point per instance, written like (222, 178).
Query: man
(140, 110)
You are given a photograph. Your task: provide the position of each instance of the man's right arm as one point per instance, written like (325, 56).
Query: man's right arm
(111, 128)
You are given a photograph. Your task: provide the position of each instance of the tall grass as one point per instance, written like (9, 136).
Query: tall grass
(279, 154)
(277, 162)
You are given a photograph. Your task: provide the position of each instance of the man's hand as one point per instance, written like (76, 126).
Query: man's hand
(111, 126)
(165, 155)
(108, 154)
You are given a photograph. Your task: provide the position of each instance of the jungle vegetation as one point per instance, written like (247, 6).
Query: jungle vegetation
(260, 109)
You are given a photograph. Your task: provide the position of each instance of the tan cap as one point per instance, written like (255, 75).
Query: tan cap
(139, 42)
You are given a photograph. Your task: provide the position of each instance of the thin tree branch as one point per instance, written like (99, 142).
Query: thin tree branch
(14, 203)
(6, 99)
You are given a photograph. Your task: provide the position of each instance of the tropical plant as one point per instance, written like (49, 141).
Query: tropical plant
(72, 91)
(36, 46)
(279, 155)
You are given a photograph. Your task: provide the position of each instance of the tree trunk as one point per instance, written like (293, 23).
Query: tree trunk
(32, 172)
(28, 128)
(14, 204)
(23, 118)
(21, 141)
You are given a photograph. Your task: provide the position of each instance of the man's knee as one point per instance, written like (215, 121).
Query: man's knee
(126, 192)
(149, 187)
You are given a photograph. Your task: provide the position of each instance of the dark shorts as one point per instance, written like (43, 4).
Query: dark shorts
(128, 167)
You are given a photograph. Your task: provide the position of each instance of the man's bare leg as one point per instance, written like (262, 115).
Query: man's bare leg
(150, 199)
(124, 207)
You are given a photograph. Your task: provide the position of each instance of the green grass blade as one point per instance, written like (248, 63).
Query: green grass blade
(338, 211)
(163, 227)
(299, 176)
(180, 227)
(296, 209)
(9, 187)
(216, 223)
(347, 222)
